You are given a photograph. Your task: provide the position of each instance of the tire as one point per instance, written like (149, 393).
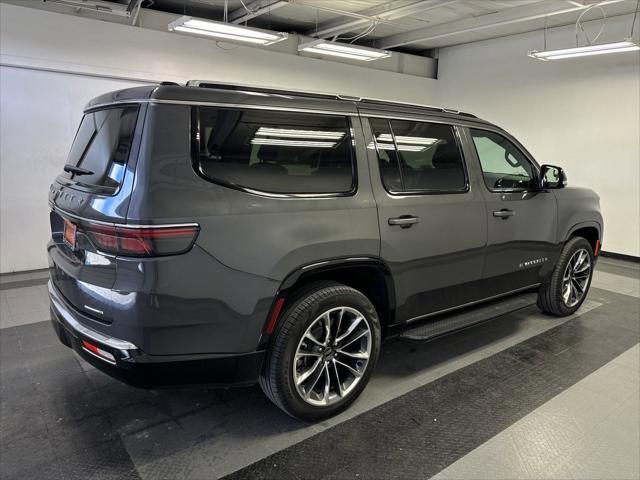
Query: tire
(550, 296)
(297, 347)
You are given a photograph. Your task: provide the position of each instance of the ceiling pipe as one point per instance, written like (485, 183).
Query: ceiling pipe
(381, 12)
(255, 9)
(100, 6)
(510, 16)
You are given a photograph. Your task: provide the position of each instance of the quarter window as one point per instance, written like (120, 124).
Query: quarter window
(417, 157)
(276, 152)
(504, 166)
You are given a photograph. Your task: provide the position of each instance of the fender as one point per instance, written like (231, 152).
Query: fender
(322, 267)
(580, 225)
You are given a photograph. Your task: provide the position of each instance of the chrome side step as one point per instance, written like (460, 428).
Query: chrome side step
(450, 322)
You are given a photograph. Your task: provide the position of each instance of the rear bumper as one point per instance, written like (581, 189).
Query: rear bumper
(131, 365)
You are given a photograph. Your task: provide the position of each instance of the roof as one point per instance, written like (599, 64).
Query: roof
(201, 91)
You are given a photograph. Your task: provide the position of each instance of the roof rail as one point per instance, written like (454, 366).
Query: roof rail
(309, 93)
(255, 88)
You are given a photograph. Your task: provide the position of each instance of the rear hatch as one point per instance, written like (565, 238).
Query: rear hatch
(86, 199)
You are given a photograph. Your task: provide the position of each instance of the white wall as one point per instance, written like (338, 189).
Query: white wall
(582, 114)
(39, 116)
(40, 109)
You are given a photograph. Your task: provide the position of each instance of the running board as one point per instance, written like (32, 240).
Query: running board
(442, 324)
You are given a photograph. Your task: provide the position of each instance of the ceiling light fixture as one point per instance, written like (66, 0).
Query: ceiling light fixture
(226, 31)
(391, 146)
(615, 47)
(294, 133)
(592, 48)
(386, 137)
(353, 52)
(292, 143)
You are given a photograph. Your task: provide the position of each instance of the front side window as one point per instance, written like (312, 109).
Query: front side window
(416, 157)
(275, 152)
(102, 146)
(504, 166)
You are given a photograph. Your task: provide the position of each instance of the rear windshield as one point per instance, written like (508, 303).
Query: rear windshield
(102, 146)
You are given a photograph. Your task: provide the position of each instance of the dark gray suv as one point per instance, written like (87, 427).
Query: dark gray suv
(226, 235)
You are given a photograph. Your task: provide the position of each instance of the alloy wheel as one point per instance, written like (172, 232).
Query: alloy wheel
(576, 278)
(332, 356)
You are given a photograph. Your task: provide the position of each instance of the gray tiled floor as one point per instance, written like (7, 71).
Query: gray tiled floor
(247, 428)
(589, 431)
(20, 306)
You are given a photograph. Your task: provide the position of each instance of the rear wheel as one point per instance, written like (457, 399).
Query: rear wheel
(324, 352)
(569, 283)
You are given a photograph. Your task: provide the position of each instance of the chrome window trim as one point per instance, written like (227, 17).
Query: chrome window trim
(421, 193)
(194, 103)
(273, 195)
(426, 117)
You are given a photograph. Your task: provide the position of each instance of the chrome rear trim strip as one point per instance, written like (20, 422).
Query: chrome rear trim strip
(81, 329)
(122, 225)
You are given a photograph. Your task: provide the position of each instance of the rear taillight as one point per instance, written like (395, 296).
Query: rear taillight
(152, 241)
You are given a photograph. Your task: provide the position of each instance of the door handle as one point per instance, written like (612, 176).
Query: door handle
(504, 213)
(404, 221)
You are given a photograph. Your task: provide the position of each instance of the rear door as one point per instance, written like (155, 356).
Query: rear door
(521, 217)
(105, 142)
(431, 215)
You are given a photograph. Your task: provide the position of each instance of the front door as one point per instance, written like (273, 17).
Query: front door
(432, 220)
(521, 217)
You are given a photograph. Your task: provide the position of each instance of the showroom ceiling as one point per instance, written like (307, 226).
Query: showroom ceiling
(412, 26)
(405, 25)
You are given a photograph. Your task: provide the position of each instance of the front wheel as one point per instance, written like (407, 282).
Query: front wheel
(323, 353)
(569, 283)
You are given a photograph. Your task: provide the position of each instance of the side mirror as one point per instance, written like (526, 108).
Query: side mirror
(552, 177)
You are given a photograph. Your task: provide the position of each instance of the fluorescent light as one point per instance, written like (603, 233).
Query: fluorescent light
(293, 133)
(615, 47)
(386, 137)
(401, 148)
(354, 52)
(226, 31)
(292, 143)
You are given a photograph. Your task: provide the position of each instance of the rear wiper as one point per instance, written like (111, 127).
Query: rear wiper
(77, 170)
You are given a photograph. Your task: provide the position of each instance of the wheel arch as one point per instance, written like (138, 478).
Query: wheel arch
(369, 275)
(590, 231)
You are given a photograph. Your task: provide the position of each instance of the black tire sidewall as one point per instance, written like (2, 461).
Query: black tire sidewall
(569, 250)
(299, 316)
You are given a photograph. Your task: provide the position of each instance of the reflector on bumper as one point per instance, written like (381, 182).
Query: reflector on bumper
(98, 352)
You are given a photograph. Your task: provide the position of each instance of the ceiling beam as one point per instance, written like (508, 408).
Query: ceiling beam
(100, 6)
(525, 13)
(256, 8)
(388, 11)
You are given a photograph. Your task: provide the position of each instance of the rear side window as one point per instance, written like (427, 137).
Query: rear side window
(416, 157)
(102, 146)
(275, 152)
